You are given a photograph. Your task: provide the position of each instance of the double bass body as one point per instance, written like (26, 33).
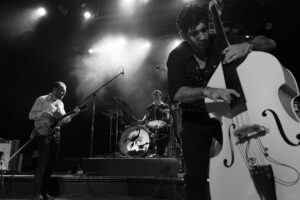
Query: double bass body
(263, 140)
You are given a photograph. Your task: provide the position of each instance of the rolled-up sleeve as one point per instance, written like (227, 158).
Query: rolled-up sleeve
(175, 74)
(36, 110)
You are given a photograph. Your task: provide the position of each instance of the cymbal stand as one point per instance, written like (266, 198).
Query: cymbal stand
(2, 172)
(172, 138)
(110, 133)
(93, 94)
(116, 153)
(176, 126)
(117, 130)
(175, 123)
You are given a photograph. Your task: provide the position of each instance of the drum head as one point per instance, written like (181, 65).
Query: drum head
(156, 124)
(135, 141)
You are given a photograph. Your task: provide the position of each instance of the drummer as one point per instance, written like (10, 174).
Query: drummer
(157, 118)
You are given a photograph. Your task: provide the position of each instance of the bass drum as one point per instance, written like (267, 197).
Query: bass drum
(135, 141)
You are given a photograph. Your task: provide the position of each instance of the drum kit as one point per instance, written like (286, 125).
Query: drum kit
(140, 138)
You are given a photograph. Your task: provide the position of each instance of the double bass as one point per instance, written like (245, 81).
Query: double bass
(260, 154)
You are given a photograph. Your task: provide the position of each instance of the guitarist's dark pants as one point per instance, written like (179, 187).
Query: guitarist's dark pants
(196, 143)
(48, 148)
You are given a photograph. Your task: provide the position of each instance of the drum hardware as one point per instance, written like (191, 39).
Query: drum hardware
(140, 139)
(113, 114)
(175, 129)
(135, 141)
(93, 95)
(157, 124)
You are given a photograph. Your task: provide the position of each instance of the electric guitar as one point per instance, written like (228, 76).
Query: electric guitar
(46, 127)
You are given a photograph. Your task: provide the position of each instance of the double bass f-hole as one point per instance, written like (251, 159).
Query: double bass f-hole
(279, 126)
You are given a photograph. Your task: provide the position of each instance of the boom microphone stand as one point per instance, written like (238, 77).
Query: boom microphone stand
(93, 94)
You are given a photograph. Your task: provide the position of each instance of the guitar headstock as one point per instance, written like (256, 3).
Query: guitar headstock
(82, 107)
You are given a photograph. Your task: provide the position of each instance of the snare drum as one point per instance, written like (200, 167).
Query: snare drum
(135, 141)
(157, 116)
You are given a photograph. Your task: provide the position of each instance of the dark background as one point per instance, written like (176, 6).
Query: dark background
(33, 59)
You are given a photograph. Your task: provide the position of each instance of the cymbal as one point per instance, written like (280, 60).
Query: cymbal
(119, 102)
(112, 113)
(128, 115)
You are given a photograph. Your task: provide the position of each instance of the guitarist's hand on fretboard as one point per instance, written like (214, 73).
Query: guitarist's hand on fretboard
(76, 111)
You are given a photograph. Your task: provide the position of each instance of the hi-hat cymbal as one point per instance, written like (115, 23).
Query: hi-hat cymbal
(112, 113)
(119, 102)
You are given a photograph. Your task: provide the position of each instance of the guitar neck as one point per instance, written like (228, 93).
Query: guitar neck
(65, 115)
(81, 108)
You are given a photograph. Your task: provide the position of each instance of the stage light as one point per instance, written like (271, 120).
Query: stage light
(87, 15)
(147, 44)
(127, 2)
(145, 1)
(127, 6)
(41, 11)
(188, 1)
(37, 13)
(105, 57)
(175, 43)
(172, 44)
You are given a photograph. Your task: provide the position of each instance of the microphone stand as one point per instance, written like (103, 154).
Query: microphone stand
(93, 94)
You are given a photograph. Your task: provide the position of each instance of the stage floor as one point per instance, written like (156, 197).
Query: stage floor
(105, 178)
(90, 197)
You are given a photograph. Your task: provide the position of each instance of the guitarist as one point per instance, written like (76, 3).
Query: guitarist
(190, 66)
(45, 112)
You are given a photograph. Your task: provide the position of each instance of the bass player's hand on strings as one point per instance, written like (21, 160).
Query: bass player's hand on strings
(220, 94)
(235, 51)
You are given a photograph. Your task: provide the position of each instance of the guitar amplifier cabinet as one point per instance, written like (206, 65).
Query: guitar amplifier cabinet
(7, 149)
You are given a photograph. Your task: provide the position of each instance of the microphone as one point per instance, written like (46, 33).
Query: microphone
(123, 72)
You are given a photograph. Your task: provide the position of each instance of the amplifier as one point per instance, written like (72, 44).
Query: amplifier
(7, 149)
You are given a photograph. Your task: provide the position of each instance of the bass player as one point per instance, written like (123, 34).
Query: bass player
(190, 66)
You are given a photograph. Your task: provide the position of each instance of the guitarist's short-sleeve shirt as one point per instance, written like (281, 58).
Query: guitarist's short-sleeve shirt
(46, 104)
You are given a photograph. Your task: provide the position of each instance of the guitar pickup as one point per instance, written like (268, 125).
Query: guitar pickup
(248, 132)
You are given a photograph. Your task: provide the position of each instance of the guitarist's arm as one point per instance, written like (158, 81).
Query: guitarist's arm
(67, 119)
(37, 112)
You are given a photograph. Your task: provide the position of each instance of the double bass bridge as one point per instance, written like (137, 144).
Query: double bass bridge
(247, 132)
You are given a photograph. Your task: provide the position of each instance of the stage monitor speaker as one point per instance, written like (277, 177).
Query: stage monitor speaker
(7, 149)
